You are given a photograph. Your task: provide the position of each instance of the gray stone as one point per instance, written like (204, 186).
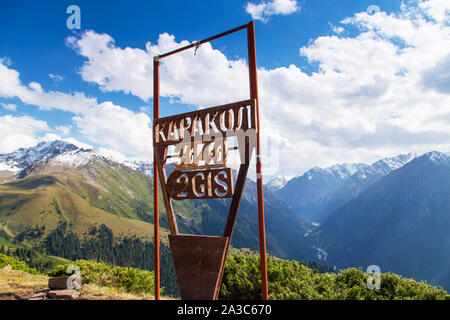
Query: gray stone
(61, 283)
(38, 296)
(63, 294)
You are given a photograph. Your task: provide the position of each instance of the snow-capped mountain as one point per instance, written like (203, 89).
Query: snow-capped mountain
(319, 191)
(75, 158)
(341, 171)
(48, 156)
(278, 182)
(24, 157)
(362, 179)
(72, 159)
(142, 166)
(61, 154)
(83, 183)
(383, 167)
(314, 195)
(309, 194)
(401, 222)
(437, 158)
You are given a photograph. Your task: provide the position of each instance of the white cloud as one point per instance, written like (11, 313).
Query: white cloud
(265, 9)
(439, 10)
(19, 132)
(214, 78)
(337, 29)
(117, 128)
(104, 123)
(64, 130)
(50, 136)
(376, 94)
(78, 143)
(6, 61)
(56, 77)
(33, 94)
(112, 154)
(9, 106)
(144, 109)
(114, 69)
(438, 77)
(25, 132)
(379, 93)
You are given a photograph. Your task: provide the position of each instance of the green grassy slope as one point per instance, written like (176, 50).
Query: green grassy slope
(47, 200)
(105, 192)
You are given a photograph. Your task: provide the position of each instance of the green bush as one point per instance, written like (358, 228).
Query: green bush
(15, 264)
(129, 279)
(291, 280)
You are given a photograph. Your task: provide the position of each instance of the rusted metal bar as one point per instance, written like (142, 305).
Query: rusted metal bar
(197, 43)
(254, 95)
(155, 180)
(165, 127)
(173, 226)
(234, 207)
(198, 261)
(184, 249)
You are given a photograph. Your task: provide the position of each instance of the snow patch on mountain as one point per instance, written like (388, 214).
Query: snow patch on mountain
(342, 171)
(141, 166)
(395, 162)
(75, 158)
(437, 157)
(311, 173)
(64, 154)
(9, 166)
(279, 181)
(25, 157)
(384, 166)
(345, 170)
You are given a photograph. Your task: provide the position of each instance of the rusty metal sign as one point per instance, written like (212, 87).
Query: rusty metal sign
(198, 261)
(200, 184)
(223, 121)
(198, 141)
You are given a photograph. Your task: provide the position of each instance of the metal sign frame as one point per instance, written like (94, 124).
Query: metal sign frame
(216, 247)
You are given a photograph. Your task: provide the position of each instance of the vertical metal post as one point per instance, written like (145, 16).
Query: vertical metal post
(155, 177)
(254, 95)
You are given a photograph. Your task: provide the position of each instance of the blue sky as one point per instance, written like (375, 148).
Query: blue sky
(321, 104)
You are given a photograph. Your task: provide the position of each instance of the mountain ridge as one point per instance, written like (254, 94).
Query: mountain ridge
(400, 223)
(117, 188)
(319, 191)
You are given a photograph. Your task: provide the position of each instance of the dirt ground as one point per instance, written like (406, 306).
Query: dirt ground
(19, 285)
